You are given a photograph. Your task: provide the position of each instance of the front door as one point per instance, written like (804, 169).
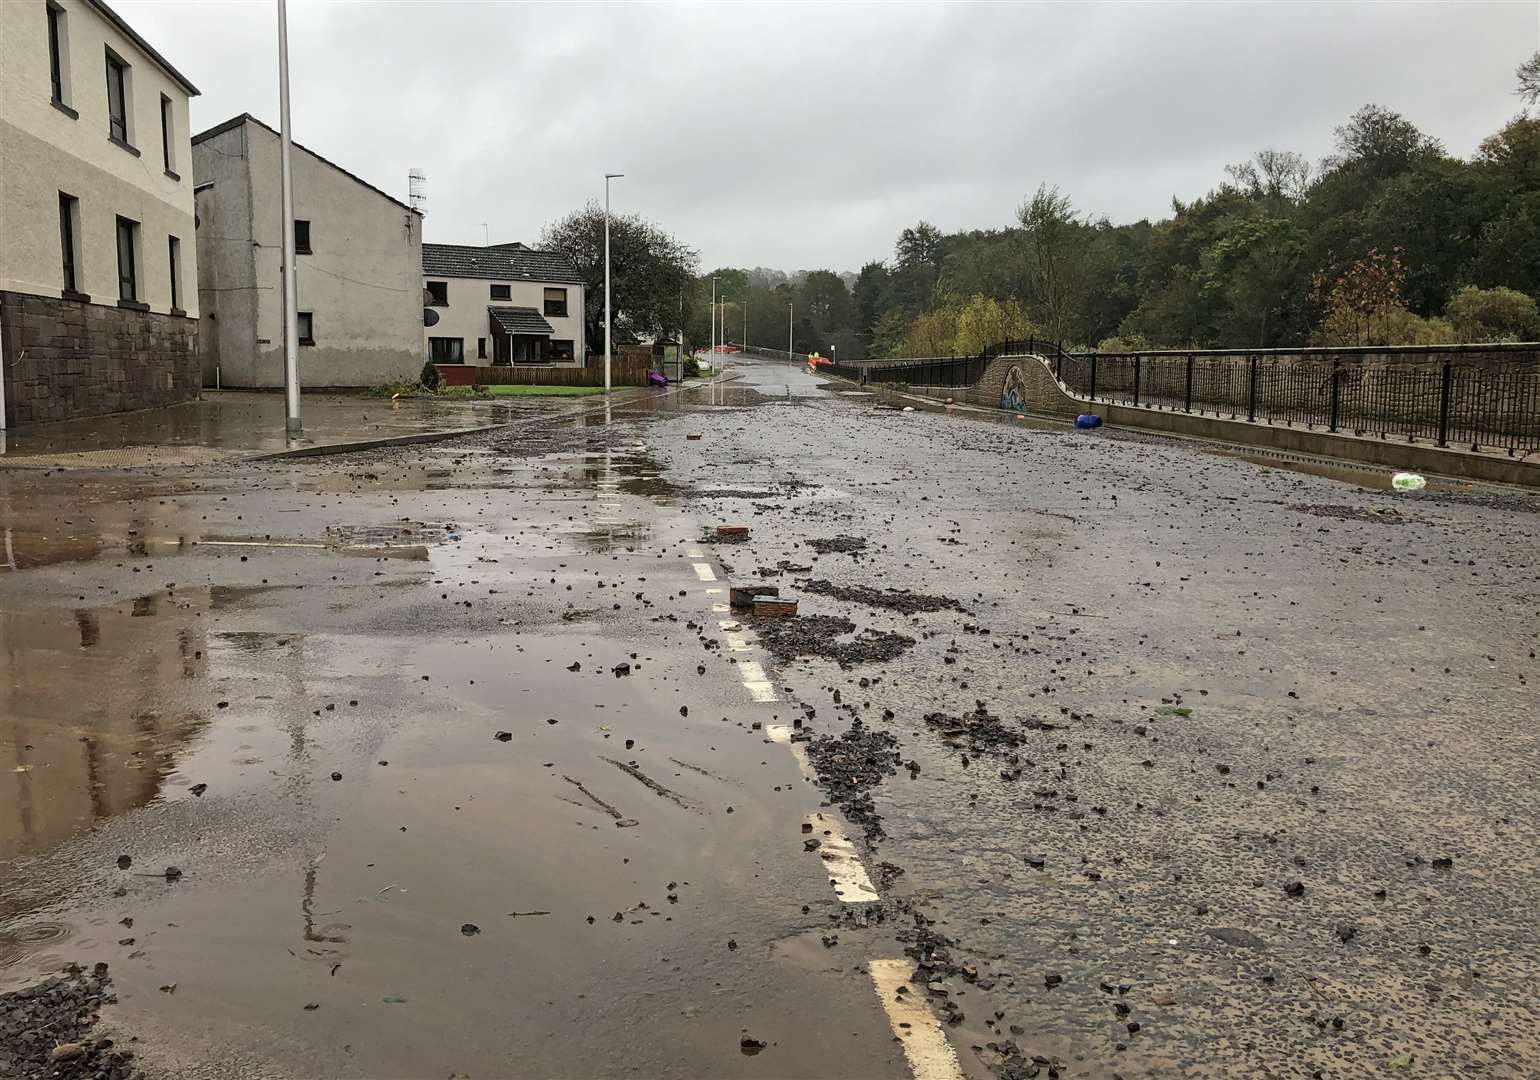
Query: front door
(501, 353)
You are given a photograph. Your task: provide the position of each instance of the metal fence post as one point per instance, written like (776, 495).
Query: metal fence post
(1188, 406)
(1251, 393)
(1443, 404)
(1093, 377)
(1136, 380)
(1336, 392)
(1058, 366)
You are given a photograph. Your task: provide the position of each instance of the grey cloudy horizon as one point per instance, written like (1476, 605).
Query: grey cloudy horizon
(804, 136)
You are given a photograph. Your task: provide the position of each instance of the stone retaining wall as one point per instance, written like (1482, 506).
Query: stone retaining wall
(70, 358)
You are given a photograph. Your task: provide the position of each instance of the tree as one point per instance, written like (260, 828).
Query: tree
(1493, 315)
(1279, 175)
(916, 267)
(1253, 270)
(1359, 306)
(985, 321)
(651, 272)
(1380, 140)
(1050, 222)
(870, 295)
(1529, 80)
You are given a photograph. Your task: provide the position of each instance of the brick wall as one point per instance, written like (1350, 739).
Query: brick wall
(67, 358)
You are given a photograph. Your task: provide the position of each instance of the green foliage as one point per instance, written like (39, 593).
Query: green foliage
(651, 272)
(1279, 253)
(1529, 80)
(430, 376)
(1493, 315)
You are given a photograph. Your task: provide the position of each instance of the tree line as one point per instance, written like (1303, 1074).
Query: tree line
(1390, 240)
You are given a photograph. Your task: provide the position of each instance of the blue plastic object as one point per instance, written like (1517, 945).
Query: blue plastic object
(1088, 420)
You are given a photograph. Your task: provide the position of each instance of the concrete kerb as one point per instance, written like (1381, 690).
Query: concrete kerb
(1365, 453)
(353, 446)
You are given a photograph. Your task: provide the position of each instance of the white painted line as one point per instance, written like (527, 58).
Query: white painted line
(255, 543)
(781, 733)
(841, 863)
(713, 592)
(930, 1056)
(755, 682)
(694, 553)
(704, 571)
(720, 609)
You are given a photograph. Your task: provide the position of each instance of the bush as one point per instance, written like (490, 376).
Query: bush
(1493, 315)
(429, 376)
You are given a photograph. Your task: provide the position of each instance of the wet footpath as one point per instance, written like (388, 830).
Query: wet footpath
(1085, 754)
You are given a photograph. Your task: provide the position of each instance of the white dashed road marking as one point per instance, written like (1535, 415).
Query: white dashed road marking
(755, 682)
(930, 1056)
(704, 572)
(841, 863)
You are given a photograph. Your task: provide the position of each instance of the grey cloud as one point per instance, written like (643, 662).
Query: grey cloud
(804, 135)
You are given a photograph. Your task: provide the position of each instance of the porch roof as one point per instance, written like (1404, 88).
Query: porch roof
(520, 320)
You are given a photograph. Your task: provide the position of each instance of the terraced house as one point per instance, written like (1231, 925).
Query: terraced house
(502, 304)
(98, 283)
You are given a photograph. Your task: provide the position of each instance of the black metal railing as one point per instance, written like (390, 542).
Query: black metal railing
(1489, 405)
(1485, 397)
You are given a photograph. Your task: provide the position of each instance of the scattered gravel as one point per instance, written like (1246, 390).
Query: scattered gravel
(45, 1030)
(902, 600)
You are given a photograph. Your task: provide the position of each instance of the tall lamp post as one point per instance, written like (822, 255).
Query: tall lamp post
(713, 346)
(286, 176)
(607, 178)
(791, 310)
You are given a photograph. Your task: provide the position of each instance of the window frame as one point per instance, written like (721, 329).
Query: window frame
(304, 320)
(507, 292)
(481, 348)
(167, 135)
(440, 298)
(117, 75)
(302, 247)
(457, 350)
(174, 258)
(57, 50)
(553, 355)
(562, 303)
(127, 227)
(69, 254)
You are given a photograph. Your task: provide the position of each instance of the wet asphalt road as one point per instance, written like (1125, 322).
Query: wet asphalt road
(1160, 781)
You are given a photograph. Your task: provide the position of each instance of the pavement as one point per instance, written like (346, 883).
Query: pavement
(228, 425)
(1088, 754)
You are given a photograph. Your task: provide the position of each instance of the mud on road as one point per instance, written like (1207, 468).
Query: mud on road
(1084, 756)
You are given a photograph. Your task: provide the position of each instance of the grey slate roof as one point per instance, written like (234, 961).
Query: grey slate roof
(520, 320)
(500, 263)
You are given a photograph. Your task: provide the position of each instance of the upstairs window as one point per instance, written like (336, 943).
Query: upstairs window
(167, 128)
(502, 292)
(438, 294)
(58, 53)
(556, 302)
(306, 321)
(301, 237)
(117, 99)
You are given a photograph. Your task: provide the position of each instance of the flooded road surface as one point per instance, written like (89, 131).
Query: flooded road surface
(1084, 755)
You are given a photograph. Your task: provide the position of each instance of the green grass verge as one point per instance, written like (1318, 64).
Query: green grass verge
(519, 390)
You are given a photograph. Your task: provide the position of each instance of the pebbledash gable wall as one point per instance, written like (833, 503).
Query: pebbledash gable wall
(68, 358)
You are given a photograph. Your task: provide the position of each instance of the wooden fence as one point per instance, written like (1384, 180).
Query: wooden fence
(624, 371)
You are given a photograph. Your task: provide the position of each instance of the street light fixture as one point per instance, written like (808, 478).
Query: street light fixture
(607, 178)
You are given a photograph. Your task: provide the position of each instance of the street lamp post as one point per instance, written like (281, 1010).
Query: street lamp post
(286, 176)
(713, 346)
(791, 311)
(722, 322)
(607, 178)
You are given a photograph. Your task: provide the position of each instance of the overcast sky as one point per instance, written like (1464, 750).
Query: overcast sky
(801, 136)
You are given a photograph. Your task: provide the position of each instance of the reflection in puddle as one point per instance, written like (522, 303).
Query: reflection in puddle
(69, 759)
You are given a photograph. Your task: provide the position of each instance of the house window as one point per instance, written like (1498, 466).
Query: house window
(502, 292)
(481, 345)
(117, 99)
(174, 251)
(301, 237)
(446, 350)
(556, 302)
(306, 328)
(166, 124)
(559, 351)
(69, 215)
(128, 282)
(438, 294)
(58, 53)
